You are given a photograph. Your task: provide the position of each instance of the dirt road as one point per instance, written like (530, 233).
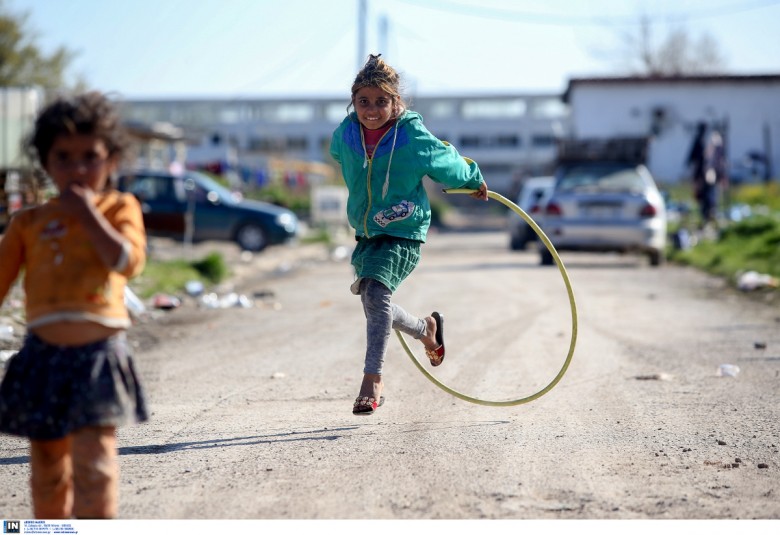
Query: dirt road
(252, 406)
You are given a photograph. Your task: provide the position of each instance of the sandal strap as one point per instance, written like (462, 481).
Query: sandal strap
(365, 401)
(434, 355)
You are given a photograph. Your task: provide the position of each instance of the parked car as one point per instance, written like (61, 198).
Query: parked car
(217, 213)
(605, 206)
(532, 198)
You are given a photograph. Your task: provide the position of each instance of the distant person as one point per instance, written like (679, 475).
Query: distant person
(715, 175)
(73, 381)
(707, 165)
(695, 164)
(385, 152)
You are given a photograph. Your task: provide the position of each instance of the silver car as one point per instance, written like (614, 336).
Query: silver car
(605, 206)
(533, 196)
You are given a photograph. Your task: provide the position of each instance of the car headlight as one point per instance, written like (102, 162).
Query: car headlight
(287, 221)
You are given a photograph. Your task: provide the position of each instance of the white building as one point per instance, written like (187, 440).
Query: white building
(508, 135)
(745, 108)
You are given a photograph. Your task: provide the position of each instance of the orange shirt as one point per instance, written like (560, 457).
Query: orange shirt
(64, 278)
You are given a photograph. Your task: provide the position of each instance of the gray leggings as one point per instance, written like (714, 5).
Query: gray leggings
(381, 317)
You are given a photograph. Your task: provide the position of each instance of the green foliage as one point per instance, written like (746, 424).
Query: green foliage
(21, 61)
(752, 244)
(758, 195)
(212, 267)
(319, 234)
(299, 201)
(170, 277)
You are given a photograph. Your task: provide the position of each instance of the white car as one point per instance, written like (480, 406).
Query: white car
(533, 196)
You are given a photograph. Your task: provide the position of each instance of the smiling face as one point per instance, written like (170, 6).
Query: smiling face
(82, 159)
(374, 107)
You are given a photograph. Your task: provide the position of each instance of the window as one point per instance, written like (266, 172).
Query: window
(470, 141)
(500, 141)
(543, 140)
(336, 112)
(493, 108)
(507, 140)
(297, 143)
(441, 110)
(292, 112)
(549, 108)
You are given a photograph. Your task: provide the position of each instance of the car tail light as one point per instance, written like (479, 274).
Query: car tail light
(535, 209)
(553, 209)
(648, 211)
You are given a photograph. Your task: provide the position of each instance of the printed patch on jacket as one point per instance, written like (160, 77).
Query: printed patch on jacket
(398, 212)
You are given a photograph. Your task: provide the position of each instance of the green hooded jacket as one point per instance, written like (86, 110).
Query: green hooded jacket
(386, 192)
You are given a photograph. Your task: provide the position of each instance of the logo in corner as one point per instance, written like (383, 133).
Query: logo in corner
(12, 526)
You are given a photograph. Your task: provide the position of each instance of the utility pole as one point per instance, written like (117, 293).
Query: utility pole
(361, 31)
(384, 26)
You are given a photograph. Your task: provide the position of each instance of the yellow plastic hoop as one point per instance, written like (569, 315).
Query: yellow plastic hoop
(508, 403)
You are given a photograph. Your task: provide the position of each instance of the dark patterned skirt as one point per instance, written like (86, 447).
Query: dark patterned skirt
(50, 391)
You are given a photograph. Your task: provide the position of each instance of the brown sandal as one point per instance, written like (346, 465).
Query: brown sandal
(436, 356)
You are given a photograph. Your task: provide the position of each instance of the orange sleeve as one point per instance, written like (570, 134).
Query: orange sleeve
(127, 218)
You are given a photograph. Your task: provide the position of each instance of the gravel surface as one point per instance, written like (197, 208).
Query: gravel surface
(251, 406)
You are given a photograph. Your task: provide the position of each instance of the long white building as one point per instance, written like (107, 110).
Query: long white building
(510, 136)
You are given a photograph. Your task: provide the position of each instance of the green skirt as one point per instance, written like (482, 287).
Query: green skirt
(386, 259)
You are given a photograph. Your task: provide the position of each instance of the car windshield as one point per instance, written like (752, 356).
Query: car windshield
(211, 187)
(593, 178)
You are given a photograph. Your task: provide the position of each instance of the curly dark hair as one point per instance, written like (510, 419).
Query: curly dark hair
(90, 113)
(377, 73)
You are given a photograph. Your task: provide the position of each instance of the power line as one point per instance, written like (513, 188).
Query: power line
(555, 19)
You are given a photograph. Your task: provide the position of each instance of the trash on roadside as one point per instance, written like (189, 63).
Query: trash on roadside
(738, 212)
(727, 370)
(752, 280)
(655, 377)
(165, 302)
(230, 300)
(284, 268)
(267, 300)
(340, 253)
(759, 345)
(134, 305)
(194, 288)
(683, 240)
(279, 375)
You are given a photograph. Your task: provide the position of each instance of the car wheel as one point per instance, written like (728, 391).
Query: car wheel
(656, 257)
(251, 237)
(545, 257)
(517, 243)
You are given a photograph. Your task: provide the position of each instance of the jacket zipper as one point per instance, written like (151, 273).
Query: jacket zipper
(368, 174)
(368, 206)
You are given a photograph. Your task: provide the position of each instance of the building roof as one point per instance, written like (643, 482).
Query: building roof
(670, 80)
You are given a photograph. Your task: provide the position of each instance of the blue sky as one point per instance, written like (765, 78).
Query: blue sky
(266, 48)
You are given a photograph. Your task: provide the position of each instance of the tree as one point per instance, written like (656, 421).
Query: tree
(677, 54)
(22, 63)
